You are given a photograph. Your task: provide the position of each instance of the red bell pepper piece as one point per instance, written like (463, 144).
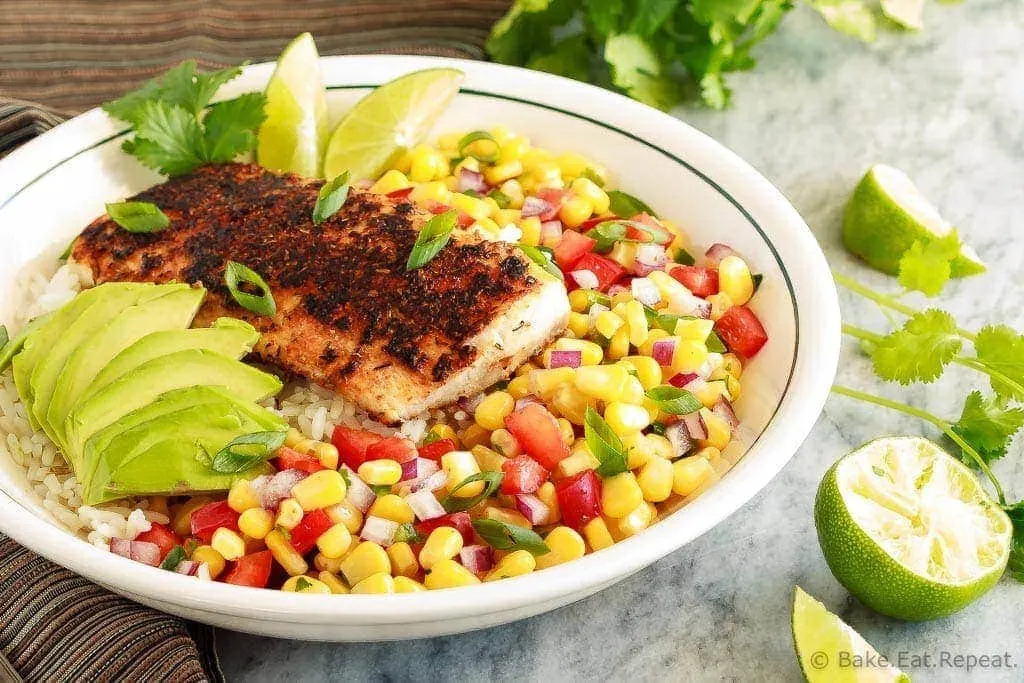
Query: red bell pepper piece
(251, 570)
(211, 517)
(579, 498)
(571, 248)
(312, 526)
(352, 444)
(395, 448)
(741, 331)
(162, 537)
(459, 521)
(538, 434)
(523, 474)
(703, 282)
(606, 270)
(434, 451)
(291, 459)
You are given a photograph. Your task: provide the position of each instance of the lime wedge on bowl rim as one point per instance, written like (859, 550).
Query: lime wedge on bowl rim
(908, 529)
(393, 118)
(294, 135)
(829, 651)
(887, 214)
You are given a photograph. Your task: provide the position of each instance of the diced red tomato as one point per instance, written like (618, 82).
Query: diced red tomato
(606, 270)
(164, 538)
(538, 434)
(291, 459)
(523, 474)
(741, 331)
(554, 198)
(352, 444)
(703, 282)
(592, 223)
(401, 194)
(436, 207)
(304, 535)
(459, 521)
(571, 247)
(395, 448)
(579, 498)
(211, 517)
(434, 451)
(251, 570)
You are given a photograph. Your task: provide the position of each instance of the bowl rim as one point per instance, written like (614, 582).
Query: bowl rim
(816, 355)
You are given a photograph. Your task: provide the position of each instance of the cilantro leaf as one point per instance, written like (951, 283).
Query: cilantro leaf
(187, 88)
(526, 29)
(231, 127)
(987, 425)
(168, 139)
(569, 57)
(920, 350)
(1000, 348)
(650, 15)
(852, 17)
(926, 268)
(637, 70)
(1016, 564)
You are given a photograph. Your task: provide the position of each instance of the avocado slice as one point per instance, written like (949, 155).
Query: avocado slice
(15, 345)
(172, 453)
(227, 336)
(172, 311)
(147, 382)
(212, 399)
(39, 342)
(108, 306)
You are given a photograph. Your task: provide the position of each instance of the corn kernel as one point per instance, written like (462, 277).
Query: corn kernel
(607, 323)
(733, 387)
(493, 410)
(293, 438)
(660, 446)
(514, 191)
(530, 228)
(403, 560)
(566, 430)
(580, 460)
(648, 371)
(519, 386)
(459, 465)
(620, 495)
(632, 392)
(565, 545)
(694, 329)
(323, 489)
(573, 163)
(290, 560)
(392, 507)
(597, 534)
(734, 280)
(327, 454)
(515, 563)
(241, 496)
(229, 544)
(503, 171)
(618, 345)
(590, 353)
(604, 382)
(214, 560)
(443, 543)
(732, 364)
(346, 513)
(585, 187)
(475, 435)
(626, 418)
(655, 479)
(575, 209)
(305, 584)
(637, 520)
(403, 584)
(449, 142)
(380, 472)
(720, 303)
(183, 516)
(477, 209)
(688, 474)
(334, 542)
(366, 560)
(427, 164)
(443, 431)
(450, 574)
(689, 356)
(570, 403)
(332, 564)
(545, 383)
(624, 253)
(507, 516)
(710, 392)
(256, 522)
(390, 182)
(638, 451)
(719, 431)
(336, 585)
(504, 443)
(637, 321)
(654, 335)
(579, 323)
(374, 584)
(436, 192)
(547, 495)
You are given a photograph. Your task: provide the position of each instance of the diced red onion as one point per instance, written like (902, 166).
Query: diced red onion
(120, 546)
(417, 469)
(408, 470)
(644, 291)
(723, 409)
(470, 403)
(678, 435)
(471, 180)
(425, 505)
(585, 279)
(695, 426)
(649, 258)
(533, 508)
(717, 252)
(566, 359)
(663, 351)
(379, 530)
(682, 379)
(476, 558)
(550, 232)
(527, 400)
(535, 206)
(140, 551)
(273, 490)
(431, 483)
(187, 567)
(359, 494)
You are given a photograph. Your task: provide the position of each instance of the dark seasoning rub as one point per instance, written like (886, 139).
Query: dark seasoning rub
(347, 274)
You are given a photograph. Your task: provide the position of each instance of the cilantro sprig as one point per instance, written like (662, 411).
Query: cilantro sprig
(171, 132)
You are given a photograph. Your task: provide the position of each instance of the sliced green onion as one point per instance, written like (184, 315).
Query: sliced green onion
(432, 239)
(715, 344)
(381, 489)
(477, 135)
(596, 297)
(758, 278)
(453, 504)
(607, 234)
(500, 198)
(626, 205)
(504, 536)
(235, 274)
(684, 257)
(246, 451)
(604, 444)
(174, 557)
(138, 217)
(542, 260)
(331, 198)
(593, 177)
(407, 533)
(673, 400)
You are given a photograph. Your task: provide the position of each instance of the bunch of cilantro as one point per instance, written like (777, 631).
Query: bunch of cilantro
(926, 344)
(662, 51)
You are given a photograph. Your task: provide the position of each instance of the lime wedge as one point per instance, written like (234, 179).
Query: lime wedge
(393, 118)
(829, 651)
(887, 214)
(907, 14)
(294, 134)
(908, 529)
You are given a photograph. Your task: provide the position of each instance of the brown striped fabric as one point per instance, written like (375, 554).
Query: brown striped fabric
(56, 626)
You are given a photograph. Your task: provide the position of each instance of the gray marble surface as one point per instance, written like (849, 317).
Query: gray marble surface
(946, 106)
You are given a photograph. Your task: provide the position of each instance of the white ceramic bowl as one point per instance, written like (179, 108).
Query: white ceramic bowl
(51, 188)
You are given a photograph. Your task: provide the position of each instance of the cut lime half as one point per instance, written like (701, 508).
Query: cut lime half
(908, 529)
(887, 214)
(829, 651)
(294, 135)
(393, 118)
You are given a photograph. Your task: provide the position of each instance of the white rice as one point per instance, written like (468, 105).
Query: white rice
(313, 410)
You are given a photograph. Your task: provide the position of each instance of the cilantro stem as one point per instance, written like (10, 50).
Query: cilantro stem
(860, 333)
(943, 425)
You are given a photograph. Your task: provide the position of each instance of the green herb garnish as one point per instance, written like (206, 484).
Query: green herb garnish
(407, 533)
(380, 489)
(542, 260)
(715, 344)
(345, 477)
(476, 136)
(431, 437)
(607, 234)
(66, 254)
(500, 198)
(758, 278)
(331, 198)
(596, 297)
(626, 205)
(246, 451)
(604, 444)
(174, 557)
(138, 217)
(673, 400)
(452, 503)
(432, 239)
(235, 276)
(590, 175)
(302, 584)
(505, 536)
(684, 257)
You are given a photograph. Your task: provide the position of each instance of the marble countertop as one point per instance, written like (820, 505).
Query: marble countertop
(945, 106)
